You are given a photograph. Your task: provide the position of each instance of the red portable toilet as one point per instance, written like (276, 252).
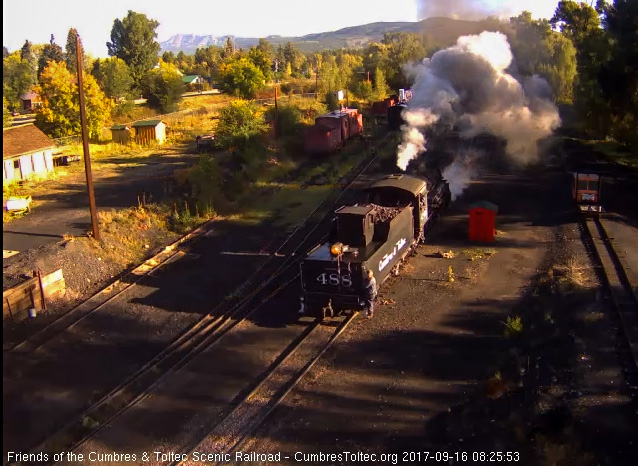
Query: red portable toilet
(482, 219)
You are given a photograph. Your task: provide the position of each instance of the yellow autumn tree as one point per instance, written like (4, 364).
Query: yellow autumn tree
(59, 114)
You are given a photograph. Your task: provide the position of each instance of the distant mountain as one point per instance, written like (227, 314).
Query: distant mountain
(441, 31)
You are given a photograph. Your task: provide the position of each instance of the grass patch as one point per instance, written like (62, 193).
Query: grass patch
(292, 205)
(128, 234)
(478, 253)
(569, 276)
(513, 326)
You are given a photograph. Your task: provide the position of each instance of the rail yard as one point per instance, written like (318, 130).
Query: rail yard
(203, 355)
(222, 377)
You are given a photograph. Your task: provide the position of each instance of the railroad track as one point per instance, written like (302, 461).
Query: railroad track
(620, 293)
(109, 294)
(202, 335)
(249, 413)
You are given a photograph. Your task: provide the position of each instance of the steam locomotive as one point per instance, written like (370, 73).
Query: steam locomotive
(375, 234)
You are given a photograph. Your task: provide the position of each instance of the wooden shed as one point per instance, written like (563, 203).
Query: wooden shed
(121, 133)
(150, 130)
(26, 153)
(482, 220)
(30, 101)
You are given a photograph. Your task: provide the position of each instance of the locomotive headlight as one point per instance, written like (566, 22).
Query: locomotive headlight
(336, 249)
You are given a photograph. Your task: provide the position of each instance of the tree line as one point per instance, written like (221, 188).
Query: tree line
(588, 55)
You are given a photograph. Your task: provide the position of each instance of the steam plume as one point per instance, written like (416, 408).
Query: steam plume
(463, 9)
(466, 87)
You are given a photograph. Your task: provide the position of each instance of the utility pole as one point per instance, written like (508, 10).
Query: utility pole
(276, 114)
(85, 142)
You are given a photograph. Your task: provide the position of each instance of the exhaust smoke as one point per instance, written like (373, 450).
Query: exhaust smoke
(466, 88)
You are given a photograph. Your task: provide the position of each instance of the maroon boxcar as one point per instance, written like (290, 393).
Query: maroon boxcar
(380, 109)
(338, 120)
(355, 122)
(321, 139)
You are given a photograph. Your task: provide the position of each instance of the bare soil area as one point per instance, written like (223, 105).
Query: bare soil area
(515, 355)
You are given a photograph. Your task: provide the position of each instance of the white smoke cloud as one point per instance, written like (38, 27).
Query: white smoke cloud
(461, 171)
(478, 9)
(413, 139)
(466, 87)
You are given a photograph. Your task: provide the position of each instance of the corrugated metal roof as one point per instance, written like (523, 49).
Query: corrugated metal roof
(408, 183)
(137, 124)
(24, 140)
(190, 78)
(119, 127)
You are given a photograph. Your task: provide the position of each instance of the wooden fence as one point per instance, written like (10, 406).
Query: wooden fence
(34, 293)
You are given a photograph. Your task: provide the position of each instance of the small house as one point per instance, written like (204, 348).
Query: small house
(193, 82)
(149, 130)
(26, 153)
(30, 101)
(121, 133)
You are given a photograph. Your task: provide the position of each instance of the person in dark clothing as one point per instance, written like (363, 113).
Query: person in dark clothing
(369, 294)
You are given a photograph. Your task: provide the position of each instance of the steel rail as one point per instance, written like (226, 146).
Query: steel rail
(201, 335)
(80, 312)
(250, 422)
(614, 279)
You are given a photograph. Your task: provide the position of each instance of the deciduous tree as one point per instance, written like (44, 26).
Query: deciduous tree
(59, 114)
(261, 60)
(403, 48)
(6, 114)
(163, 87)
(114, 77)
(241, 78)
(619, 77)
(17, 78)
(239, 122)
(540, 50)
(381, 88)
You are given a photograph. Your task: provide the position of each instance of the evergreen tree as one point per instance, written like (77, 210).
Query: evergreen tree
(26, 53)
(50, 52)
(133, 40)
(71, 52)
(229, 49)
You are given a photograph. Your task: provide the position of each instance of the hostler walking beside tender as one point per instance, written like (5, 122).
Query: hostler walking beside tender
(375, 235)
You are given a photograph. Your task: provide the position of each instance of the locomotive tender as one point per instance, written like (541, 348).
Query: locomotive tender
(375, 235)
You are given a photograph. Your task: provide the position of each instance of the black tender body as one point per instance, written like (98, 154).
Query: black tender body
(374, 235)
(395, 116)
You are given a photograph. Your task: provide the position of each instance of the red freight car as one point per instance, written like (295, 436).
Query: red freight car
(337, 120)
(355, 122)
(321, 139)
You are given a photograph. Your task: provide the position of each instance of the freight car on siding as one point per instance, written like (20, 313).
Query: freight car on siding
(375, 235)
(332, 130)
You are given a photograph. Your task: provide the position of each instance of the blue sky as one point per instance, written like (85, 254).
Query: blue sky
(36, 20)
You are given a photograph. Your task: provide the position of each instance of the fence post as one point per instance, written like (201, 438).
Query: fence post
(44, 303)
